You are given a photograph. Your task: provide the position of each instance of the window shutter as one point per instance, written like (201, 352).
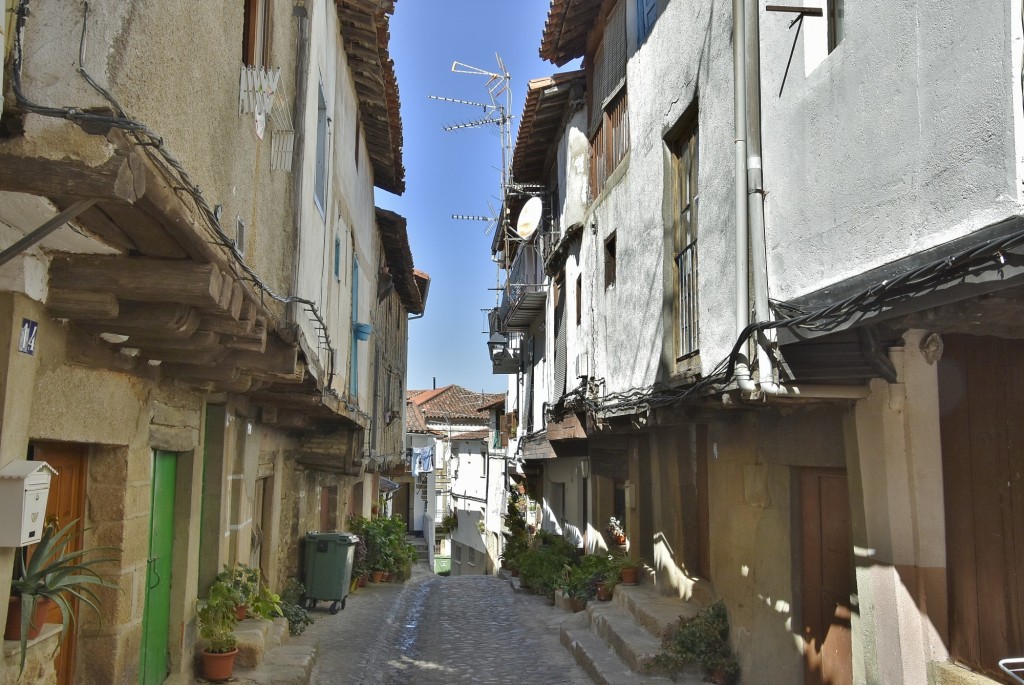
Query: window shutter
(646, 14)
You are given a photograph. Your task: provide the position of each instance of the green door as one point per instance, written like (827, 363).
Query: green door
(156, 616)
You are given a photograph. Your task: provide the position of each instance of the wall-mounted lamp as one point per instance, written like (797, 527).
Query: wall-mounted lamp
(497, 346)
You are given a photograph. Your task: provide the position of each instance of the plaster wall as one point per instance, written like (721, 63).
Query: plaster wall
(899, 521)
(752, 483)
(686, 58)
(422, 507)
(178, 78)
(348, 216)
(563, 495)
(878, 152)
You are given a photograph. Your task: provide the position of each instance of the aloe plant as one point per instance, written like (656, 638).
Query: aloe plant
(58, 575)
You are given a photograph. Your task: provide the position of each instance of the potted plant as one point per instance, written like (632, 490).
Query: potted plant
(292, 608)
(625, 569)
(702, 639)
(615, 531)
(251, 594)
(53, 574)
(575, 584)
(217, 618)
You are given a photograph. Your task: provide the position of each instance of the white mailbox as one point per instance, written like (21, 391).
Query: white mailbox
(24, 487)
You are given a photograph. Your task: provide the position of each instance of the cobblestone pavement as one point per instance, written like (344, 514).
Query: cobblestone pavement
(443, 631)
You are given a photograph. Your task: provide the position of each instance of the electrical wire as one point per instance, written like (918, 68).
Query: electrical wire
(169, 166)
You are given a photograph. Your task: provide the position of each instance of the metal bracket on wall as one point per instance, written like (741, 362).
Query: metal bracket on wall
(800, 12)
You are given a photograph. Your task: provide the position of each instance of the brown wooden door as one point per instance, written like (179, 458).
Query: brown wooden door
(827, 577)
(66, 502)
(982, 428)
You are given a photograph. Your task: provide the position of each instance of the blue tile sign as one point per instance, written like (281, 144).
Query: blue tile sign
(27, 339)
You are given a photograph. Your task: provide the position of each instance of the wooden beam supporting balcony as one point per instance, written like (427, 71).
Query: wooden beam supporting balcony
(279, 359)
(143, 279)
(156, 320)
(197, 372)
(78, 304)
(120, 179)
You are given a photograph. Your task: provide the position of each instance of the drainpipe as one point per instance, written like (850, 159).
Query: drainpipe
(750, 207)
(739, 59)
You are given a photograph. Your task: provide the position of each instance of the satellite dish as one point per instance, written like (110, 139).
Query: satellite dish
(529, 218)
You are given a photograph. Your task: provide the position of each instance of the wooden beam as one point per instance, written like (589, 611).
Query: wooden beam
(149, 236)
(156, 320)
(210, 357)
(293, 399)
(79, 304)
(279, 359)
(138, 278)
(152, 345)
(219, 373)
(119, 179)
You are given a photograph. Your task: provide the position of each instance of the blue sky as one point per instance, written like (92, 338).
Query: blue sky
(456, 172)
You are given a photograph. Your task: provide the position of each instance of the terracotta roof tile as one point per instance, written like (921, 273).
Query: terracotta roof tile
(566, 29)
(453, 402)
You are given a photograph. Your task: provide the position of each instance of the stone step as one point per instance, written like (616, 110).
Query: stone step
(616, 627)
(285, 665)
(652, 610)
(600, 662)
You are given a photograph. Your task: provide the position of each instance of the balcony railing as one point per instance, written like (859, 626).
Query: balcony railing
(526, 286)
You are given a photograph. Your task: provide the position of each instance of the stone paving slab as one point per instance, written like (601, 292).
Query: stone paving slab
(601, 663)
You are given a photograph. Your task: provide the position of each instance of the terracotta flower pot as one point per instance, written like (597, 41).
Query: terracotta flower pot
(241, 611)
(603, 593)
(515, 573)
(628, 576)
(375, 576)
(577, 604)
(385, 577)
(363, 579)
(12, 631)
(219, 667)
(619, 539)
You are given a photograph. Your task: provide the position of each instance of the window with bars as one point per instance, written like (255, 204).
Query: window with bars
(685, 155)
(609, 120)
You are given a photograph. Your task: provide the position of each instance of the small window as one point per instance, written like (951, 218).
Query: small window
(357, 143)
(320, 179)
(579, 299)
(337, 257)
(240, 236)
(256, 33)
(836, 21)
(609, 261)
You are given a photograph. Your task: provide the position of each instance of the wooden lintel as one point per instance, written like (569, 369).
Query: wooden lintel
(242, 384)
(294, 419)
(79, 304)
(139, 278)
(119, 179)
(568, 428)
(86, 351)
(199, 342)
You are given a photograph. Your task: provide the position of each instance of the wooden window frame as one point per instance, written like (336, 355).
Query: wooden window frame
(320, 181)
(836, 11)
(684, 146)
(607, 100)
(257, 30)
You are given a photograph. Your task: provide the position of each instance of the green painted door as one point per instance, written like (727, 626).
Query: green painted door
(156, 615)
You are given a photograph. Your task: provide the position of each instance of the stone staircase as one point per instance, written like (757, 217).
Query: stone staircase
(613, 641)
(421, 546)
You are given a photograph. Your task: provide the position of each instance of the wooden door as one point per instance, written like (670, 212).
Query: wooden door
(66, 503)
(827, 577)
(982, 429)
(156, 614)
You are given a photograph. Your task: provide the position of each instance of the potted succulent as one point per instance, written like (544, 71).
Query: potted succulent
(625, 569)
(217, 618)
(575, 584)
(53, 574)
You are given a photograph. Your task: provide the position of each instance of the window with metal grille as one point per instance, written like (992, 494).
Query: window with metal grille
(257, 28)
(609, 120)
(685, 193)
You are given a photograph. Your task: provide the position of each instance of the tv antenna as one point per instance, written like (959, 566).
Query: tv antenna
(496, 114)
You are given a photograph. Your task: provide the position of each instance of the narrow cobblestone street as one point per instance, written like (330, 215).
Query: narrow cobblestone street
(439, 630)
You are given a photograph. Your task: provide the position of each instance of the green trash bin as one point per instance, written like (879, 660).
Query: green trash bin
(329, 559)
